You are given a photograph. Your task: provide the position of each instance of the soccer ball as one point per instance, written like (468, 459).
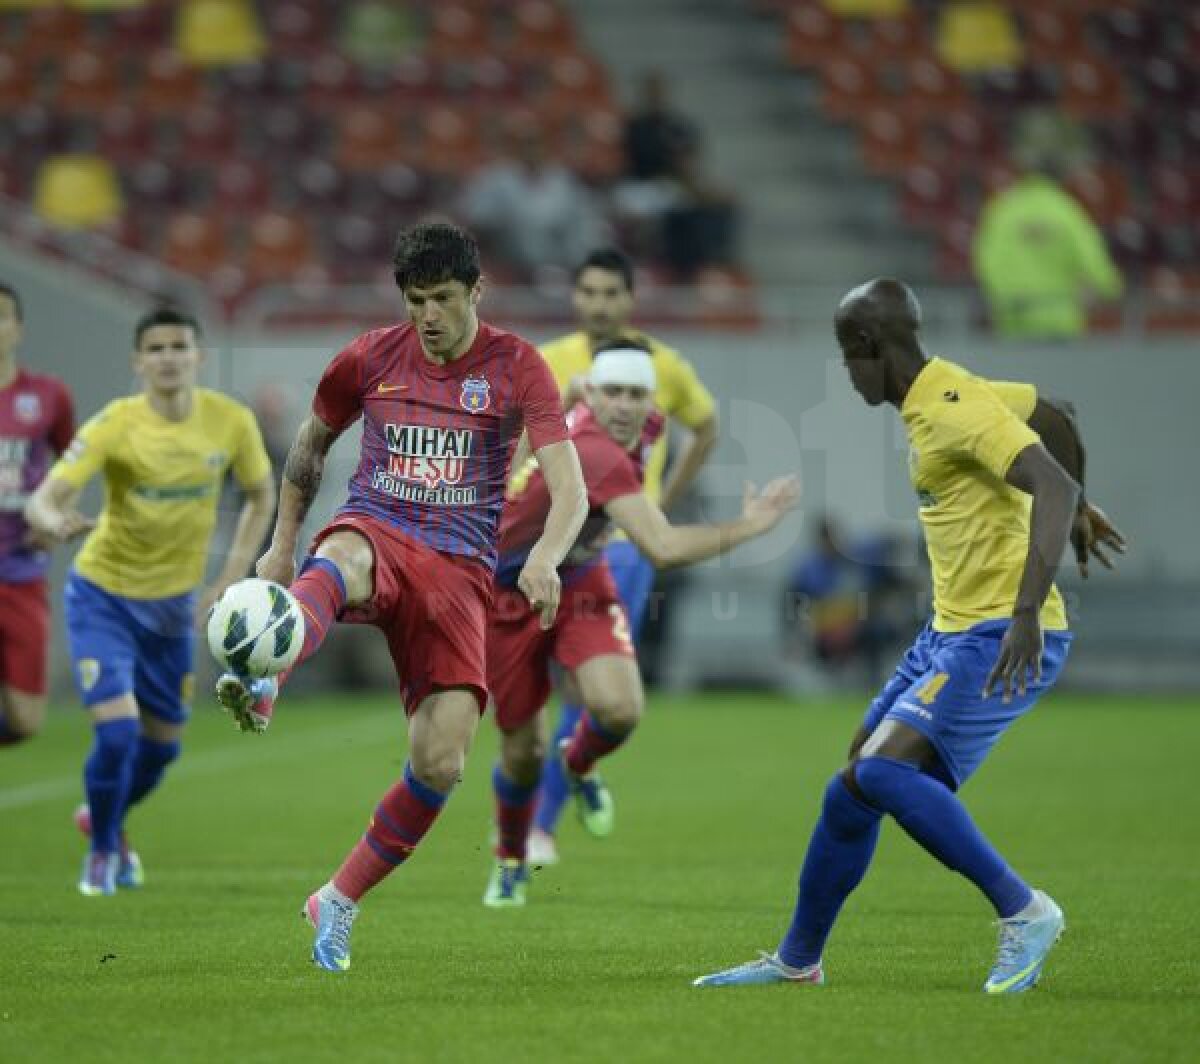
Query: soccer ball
(256, 628)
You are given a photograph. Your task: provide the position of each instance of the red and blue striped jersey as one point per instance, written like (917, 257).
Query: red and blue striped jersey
(437, 439)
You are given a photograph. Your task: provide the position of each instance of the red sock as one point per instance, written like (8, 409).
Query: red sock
(401, 819)
(515, 806)
(590, 743)
(321, 592)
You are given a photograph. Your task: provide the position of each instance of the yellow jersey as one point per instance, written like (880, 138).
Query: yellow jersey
(964, 432)
(162, 482)
(679, 393)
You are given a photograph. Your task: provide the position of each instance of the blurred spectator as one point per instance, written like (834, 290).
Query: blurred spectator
(1040, 259)
(843, 599)
(699, 228)
(376, 33)
(77, 191)
(655, 136)
(1048, 138)
(218, 32)
(535, 213)
(978, 35)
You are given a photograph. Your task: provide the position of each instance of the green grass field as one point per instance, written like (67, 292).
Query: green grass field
(1094, 799)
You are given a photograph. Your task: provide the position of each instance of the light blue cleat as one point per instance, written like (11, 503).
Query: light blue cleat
(762, 972)
(1023, 948)
(249, 702)
(99, 875)
(332, 921)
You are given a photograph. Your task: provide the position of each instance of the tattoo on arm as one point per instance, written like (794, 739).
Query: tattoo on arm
(306, 461)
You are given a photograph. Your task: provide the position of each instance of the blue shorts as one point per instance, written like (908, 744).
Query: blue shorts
(938, 689)
(120, 646)
(634, 577)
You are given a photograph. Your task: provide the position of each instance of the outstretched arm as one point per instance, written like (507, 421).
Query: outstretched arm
(668, 545)
(302, 474)
(1055, 495)
(539, 580)
(51, 514)
(1091, 531)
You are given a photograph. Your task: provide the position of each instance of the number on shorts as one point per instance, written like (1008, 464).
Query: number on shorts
(933, 688)
(621, 627)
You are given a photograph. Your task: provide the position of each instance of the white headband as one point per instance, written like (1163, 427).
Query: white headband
(630, 366)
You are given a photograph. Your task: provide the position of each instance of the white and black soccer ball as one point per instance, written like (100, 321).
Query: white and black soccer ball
(256, 628)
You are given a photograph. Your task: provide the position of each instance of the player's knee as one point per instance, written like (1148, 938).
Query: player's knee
(439, 770)
(116, 742)
(522, 757)
(844, 810)
(882, 781)
(22, 719)
(618, 712)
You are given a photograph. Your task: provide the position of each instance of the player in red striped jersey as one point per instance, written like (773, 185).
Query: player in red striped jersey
(590, 638)
(443, 399)
(36, 424)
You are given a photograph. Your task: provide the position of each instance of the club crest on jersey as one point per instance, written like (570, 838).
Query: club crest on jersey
(89, 672)
(28, 407)
(476, 395)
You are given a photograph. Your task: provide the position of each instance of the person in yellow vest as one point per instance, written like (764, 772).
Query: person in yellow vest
(132, 603)
(1041, 260)
(604, 304)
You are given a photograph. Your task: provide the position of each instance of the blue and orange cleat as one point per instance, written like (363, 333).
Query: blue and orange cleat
(593, 800)
(332, 921)
(506, 887)
(1023, 946)
(130, 873)
(766, 970)
(249, 702)
(99, 875)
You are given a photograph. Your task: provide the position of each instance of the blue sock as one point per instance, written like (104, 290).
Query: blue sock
(149, 764)
(934, 817)
(106, 775)
(554, 792)
(839, 852)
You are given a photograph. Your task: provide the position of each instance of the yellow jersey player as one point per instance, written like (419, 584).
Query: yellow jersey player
(604, 304)
(998, 475)
(131, 598)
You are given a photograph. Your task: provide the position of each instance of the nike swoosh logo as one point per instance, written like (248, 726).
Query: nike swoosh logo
(385, 388)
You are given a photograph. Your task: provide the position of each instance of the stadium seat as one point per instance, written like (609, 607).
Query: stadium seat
(1010, 90)
(1137, 245)
(813, 35)
(897, 39)
(141, 29)
(890, 141)
(297, 29)
(218, 32)
(77, 191)
(279, 248)
(367, 137)
(1104, 191)
(456, 32)
(393, 190)
(50, 31)
(964, 137)
(928, 196)
(258, 83)
(1054, 34)
(240, 186)
(286, 131)
(1173, 304)
(125, 133)
(576, 80)
(360, 244)
(1175, 194)
(18, 83)
(1168, 82)
(931, 88)
(451, 143)
(333, 82)
(168, 84)
(157, 185)
(1091, 89)
(540, 28)
(207, 134)
(87, 83)
(319, 185)
(593, 145)
(37, 130)
(1132, 32)
(850, 87)
(195, 243)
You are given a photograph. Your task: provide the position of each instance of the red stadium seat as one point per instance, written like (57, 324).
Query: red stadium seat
(333, 82)
(367, 137)
(577, 80)
(195, 243)
(208, 134)
(168, 84)
(1104, 191)
(1053, 33)
(51, 30)
(240, 186)
(814, 35)
(1175, 194)
(142, 29)
(319, 184)
(287, 131)
(125, 134)
(18, 84)
(541, 28)
(890, 141)
(1168, 82)
(280, 248)
(1174, 301)
(893, 39)
(850, 87)
(154, 184)
(593, 145)
(927, 196)
(87, 83)
(930, 88)
(456, 32)
(1091, 89)
(297, 29)
(451, 143)
(964, 138)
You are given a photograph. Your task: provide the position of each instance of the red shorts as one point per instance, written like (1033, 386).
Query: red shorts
(432, 607)
(591, 622)
(24, 636)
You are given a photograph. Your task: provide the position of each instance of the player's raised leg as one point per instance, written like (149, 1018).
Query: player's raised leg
(514, 784)
(339, 575)
(440, 733)
(611, 687)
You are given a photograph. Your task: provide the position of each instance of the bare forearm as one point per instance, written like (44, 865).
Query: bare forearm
(1054, 422)
(687, 544)
(688, 464)
(252, 525)
(301, 481)
(568, 510)
(1050, 526)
